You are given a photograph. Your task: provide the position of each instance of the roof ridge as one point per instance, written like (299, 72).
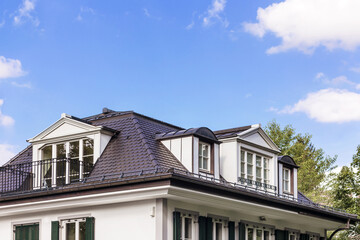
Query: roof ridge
(144, 141)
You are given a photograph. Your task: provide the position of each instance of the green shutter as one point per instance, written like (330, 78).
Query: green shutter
(286, 235)
(27, 232)
(55, 230)
(177, 226)
(202, 228)
(279, 235)
(209, 228)
(242, 229)
(90, 228)
(231, 227)
(322, 238)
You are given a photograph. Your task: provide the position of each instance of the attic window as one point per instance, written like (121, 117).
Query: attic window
(286, 180)
(63, 163)
(204, 156)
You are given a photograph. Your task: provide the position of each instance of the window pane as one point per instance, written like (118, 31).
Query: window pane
(218, 231)
(47, 152)
(258, 161)
(250, 234)
(242, 157)
(28, 232)
(258, 234)
(205, 163)
(60, 172)
(200, 162)
(74, 169)
(205, 150)
(266, 235)
(258, 172)
(266, 163)
(88, 147)
(242, 168)
(188, 229)
(60, 151)
(250, 158)
(74, 149)
(88, 165)
(70, 231)
(266, 174)
(286, 174)
(82, 228)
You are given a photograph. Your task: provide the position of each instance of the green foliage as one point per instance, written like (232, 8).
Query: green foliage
(345, 186)
(313, 163)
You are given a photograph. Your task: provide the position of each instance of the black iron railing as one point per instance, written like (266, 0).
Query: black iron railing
(44, 174)
(256, 184)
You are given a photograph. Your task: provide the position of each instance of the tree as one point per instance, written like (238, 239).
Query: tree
(345, 186)
(312, 161)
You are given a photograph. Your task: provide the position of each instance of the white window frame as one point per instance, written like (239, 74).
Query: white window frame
(261, 227)
(244, 161)
(224, 227)
(201, 158)
(286, 181)
(54, 161)
(63, 223)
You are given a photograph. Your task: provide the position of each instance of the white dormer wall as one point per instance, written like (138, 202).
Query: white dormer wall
(182, 149)
(186, 150)
(253, 140)
(294, 181)
(68, 129)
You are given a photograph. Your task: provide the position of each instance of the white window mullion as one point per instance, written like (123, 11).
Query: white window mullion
(67, 173)
(245, 164)
(77, 230)
(54, 164)
(81, 159)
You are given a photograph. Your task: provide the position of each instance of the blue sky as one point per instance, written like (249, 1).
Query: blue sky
(219, 64)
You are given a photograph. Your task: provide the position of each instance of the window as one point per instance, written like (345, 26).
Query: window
(254, 167)
(218, 229)
(73, 229)
(257, 233)
(293, 236)
(266, 170)
(286, 180)
(187, 229)
(66, 162)
(204, 156)
(26, 231)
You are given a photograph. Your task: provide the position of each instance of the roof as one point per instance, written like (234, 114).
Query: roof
(287, 160)
(202, 132)
(231, 132)
(136, 154)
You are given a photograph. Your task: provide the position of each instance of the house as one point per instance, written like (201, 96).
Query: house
(123, 175)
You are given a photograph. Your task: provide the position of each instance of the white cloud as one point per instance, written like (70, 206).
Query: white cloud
(7, 151)
(307, 24)
(328, 106)
(147, 14)
(355, 69)
(214, 13)
(2, 23)
(21, 85)
(84, 10)
(190, 26)
(24, 13)
(5, 120)
(337, 81)
(10, 68)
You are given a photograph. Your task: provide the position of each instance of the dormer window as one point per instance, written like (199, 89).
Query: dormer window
(286, 180)
(66, 162)
(254, 167)
(204, 156)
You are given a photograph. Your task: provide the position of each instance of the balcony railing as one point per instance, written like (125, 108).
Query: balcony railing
(44, 174)
(256, 184)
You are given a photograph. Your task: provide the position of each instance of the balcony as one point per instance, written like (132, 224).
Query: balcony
(256, 185)
(44, 174)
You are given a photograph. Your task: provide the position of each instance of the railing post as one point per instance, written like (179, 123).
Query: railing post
(67, 172)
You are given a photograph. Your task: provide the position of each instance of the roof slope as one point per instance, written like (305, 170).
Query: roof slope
(135, 147)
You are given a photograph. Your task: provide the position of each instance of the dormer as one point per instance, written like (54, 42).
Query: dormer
(196, 148)
(249, 157)
(287, 176)
(67, 150)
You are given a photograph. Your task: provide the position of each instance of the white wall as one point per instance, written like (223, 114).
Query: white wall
(229, 160)
(131, 220)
